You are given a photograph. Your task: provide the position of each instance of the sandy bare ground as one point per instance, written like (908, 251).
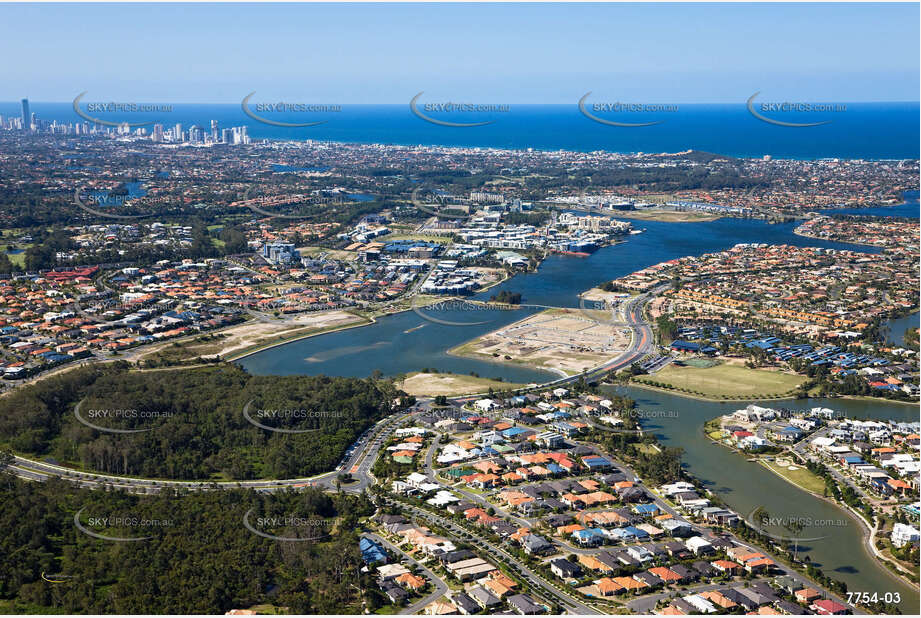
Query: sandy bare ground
(488, 277)
(563, 340)
(667, 214)
(598, 295)
(433, 384)
(254, 333)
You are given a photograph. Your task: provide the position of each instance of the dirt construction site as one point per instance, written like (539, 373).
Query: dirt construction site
(563, 340)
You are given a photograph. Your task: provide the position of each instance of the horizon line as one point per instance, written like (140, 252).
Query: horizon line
(741, 102)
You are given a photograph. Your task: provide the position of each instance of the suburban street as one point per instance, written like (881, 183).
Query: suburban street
(550, 591)
(440, 587)
(364, 453)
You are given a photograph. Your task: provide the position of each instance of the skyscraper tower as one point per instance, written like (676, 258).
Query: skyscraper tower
(26, 116)
(214, 132)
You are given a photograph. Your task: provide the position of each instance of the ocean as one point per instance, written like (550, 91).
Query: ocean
(862, 130)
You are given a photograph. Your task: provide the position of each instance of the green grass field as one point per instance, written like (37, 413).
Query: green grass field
(648, 449)
(19, 259)
(801, 477)
(727, 381)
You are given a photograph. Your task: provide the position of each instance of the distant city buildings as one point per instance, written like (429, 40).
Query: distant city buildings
(26, 116)
(28, 121)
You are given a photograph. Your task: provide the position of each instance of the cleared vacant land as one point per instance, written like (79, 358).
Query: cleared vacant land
(566, 341)
(249, 336)
(726, 381)
(450, 384)
(667, 214)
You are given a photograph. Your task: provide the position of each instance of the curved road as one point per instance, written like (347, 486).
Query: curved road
(360, 462)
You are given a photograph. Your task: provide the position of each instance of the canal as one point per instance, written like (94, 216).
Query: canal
(745, 486)
(407, 342)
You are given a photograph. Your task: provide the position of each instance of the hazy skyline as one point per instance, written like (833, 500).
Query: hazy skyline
(386, 53)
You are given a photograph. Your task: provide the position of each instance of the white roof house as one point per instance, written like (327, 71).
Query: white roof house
(443, 498)
(677, 487)
(485, 405)
(700, 604)
(903, 534)
(698, 544)
(416, 479)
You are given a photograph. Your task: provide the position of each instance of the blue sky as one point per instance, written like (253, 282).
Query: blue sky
(498, 53)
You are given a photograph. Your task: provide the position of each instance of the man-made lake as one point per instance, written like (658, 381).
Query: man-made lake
(407, 342)
(745, 486)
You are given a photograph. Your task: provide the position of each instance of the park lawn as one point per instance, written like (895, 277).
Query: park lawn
(728, 380)
(646, 449)
(19, 259)
(800, 477)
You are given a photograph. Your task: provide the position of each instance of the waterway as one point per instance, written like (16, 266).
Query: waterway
(909, 209)
(745, 486)
(899, 326)
(395, 344)
(407, 342)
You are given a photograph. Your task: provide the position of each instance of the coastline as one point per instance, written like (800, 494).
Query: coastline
(368, 321)
(455, 351)
(554, 370)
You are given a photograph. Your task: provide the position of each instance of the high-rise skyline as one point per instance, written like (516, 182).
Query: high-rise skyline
(26, 116)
